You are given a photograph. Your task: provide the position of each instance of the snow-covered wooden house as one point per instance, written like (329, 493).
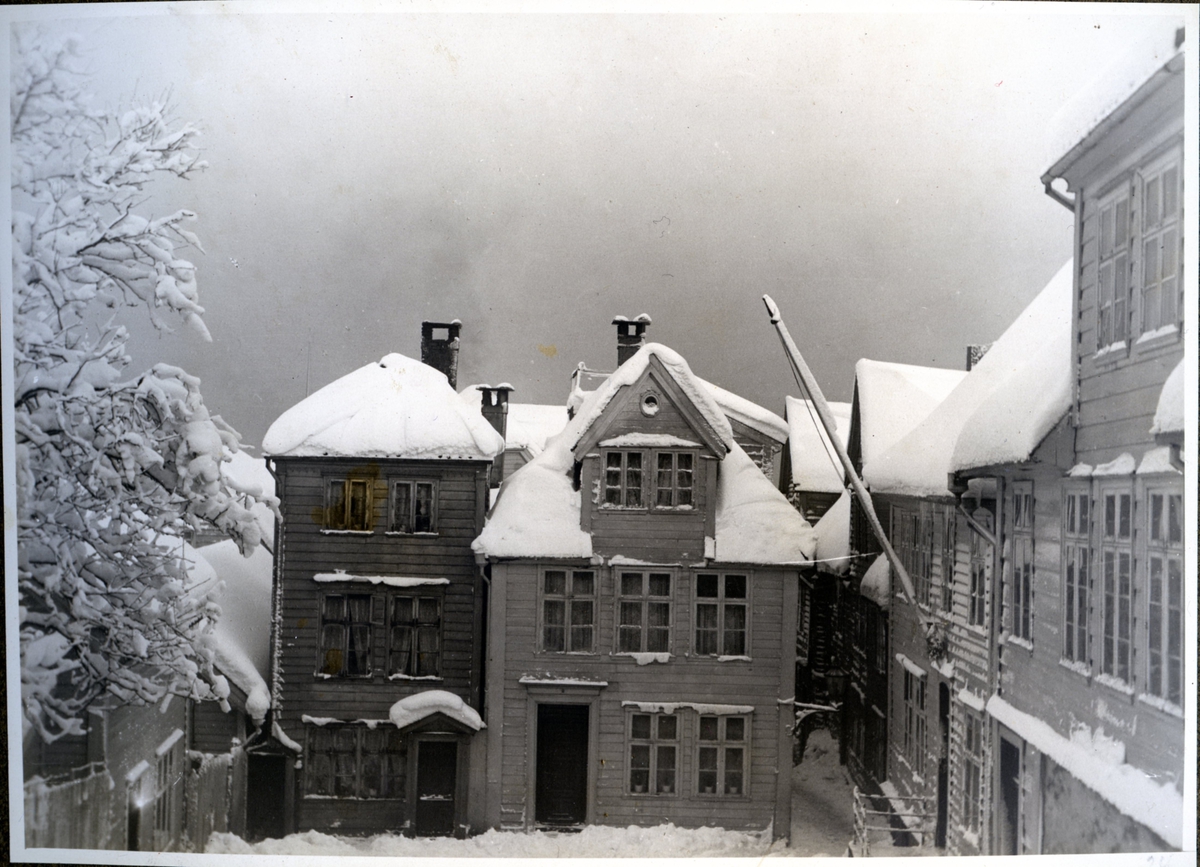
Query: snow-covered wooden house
(642, 621)
(811, 476)
(1087, 712)
(889, 401)
(379, 608)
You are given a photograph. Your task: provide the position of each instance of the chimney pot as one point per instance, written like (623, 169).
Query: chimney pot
(439, 348)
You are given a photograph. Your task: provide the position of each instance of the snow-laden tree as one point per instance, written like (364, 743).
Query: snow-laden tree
(111, 468)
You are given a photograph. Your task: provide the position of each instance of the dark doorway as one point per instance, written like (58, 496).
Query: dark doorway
(562, 763)
(133, 830)
(437, 777)
(943, 786)
(266, 788)
(1010, 796)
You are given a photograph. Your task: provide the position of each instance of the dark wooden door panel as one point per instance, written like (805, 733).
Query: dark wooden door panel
(437, 774)
(562, 757)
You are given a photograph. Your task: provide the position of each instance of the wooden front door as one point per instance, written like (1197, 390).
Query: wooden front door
(562, 764)
(437, 778)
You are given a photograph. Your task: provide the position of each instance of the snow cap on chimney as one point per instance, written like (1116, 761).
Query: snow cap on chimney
(439, 347)
(630, 335)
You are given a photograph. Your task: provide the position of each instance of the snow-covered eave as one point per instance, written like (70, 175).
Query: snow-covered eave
(303, 452)
(1014, 462)
(1102, 128)
(717, 563)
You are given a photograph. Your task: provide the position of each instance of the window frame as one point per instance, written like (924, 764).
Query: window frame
(648, 486)
(313, 763)
(1113, 311)
(337, 490)
(1164, 542)
(974, 731)
(569, 598)
(394, 513)
(914, 543)
(949, 556)
(644, 600)
(625, 485)
(1114, 638)
(1022, 568)
(348, 623)
(1156, 170)
(415, 625)
(655, 744)
(1077, 591)
(915, 742)
(674, 488)
(722, 603)
(979, 589)
(722, 745)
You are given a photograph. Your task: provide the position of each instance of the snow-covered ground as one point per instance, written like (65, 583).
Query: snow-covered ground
(822, 825)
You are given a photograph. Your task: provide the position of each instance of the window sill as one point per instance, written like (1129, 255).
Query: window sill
(1158, 337)
(644, 657)
(1114, 683)
(320, 675)
(1112, 353)
(734, 658)
(425, 533)
(720, 796)
(328, 532)
(543, 652)
(652, 794)
(1167, 707)
(423, 677)
(1018, 641)
(1080, 668)
(348, 798)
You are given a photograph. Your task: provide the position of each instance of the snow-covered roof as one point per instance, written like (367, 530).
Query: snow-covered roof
(531, 424)
(394, 408)
(537, 513)
(1168, 417)
(241, 639)
(631, 371)
(1137, 794)
(748, 413)
(415, 708)
(1000, 411)
(833, 537)
(877, 582)
(893, 399)
(1088, 108)
(815, 464)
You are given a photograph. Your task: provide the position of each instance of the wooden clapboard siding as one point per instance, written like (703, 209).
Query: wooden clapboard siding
(214, 730)
(685, 678)
(306, 549)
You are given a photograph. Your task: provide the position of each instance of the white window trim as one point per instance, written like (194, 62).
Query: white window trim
(720, 601)
(619, 597)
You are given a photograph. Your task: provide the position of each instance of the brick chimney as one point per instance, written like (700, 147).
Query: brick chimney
(631, 336)
(495, 405)
(439, 348)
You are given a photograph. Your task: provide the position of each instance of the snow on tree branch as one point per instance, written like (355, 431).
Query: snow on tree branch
(112, 470)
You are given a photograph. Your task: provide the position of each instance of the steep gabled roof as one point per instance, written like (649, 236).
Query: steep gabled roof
(748, 412)
(537, 513)
(814, 461)
(531, 424)
(394, 408)
(1000, 411)
(893, 399)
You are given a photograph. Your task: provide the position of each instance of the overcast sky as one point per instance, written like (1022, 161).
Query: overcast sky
(534, 175)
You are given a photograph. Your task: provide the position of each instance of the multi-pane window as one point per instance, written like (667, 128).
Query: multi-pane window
(653, 753)
(722, 756)
(981, 570)
(355, 762)
(166, 776)
(674, 480)
(414, 636)
(1022, 561)
(949, 541)
(1113, 325)
(913, 532)
(413, 507)
(972, 769)
(914, 722)
(722, 614)
(1116, 575)
(623, 479)
(1160, 247)
(348, 504)
(1076, 576)
(1164, 658)
(568, 611)
(644, 613)
(346, 634)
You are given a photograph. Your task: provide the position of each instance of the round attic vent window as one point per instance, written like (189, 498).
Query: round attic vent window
(649, 405)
